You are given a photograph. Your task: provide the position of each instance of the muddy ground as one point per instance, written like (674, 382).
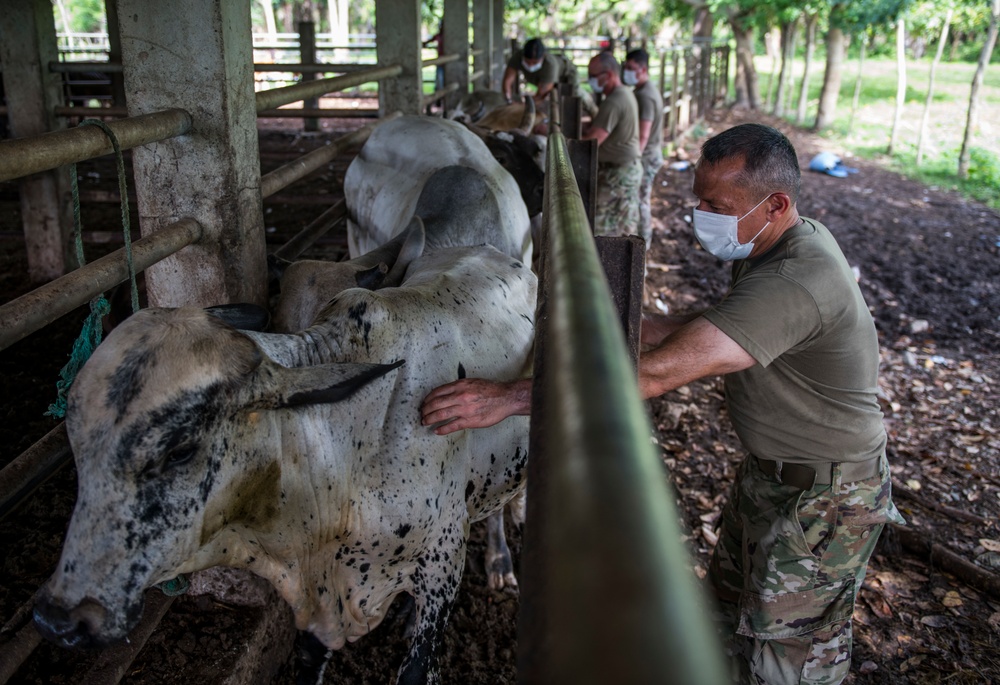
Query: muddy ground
(929, 266)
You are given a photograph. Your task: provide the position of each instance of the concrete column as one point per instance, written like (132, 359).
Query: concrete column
(197, 55)
(482, 39)
(27, 45)
(498, 45)
(456, 40)
(397, 29)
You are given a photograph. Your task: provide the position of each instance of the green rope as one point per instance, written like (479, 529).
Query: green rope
(92, 330)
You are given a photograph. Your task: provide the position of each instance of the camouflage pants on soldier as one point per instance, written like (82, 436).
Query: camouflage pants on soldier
(650, 167)
(787, 568)
(618, 199)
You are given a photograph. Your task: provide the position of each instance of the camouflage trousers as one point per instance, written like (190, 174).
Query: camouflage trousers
(650, 166)
(618, 199)
(786, 571)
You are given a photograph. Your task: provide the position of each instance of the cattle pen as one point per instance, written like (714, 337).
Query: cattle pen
(594, 522)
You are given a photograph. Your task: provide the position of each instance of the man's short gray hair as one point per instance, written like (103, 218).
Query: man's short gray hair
(770, 162)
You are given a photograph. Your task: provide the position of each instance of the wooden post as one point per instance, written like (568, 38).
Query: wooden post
(398, 35)
(482, 40)
(499, 61)
(197, 56)
(27, 45)
(674, 95)
(115, 53)
(455, 25)
(307, 55)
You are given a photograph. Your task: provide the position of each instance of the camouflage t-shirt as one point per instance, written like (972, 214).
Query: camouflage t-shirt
(799, 312)
(651, 109)
(619, 116)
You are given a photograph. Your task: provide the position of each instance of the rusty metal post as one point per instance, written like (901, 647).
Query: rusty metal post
(307, 55)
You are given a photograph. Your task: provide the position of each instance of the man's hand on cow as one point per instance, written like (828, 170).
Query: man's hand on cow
(474, 403)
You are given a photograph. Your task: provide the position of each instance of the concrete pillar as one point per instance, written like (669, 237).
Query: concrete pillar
(197, 55)
(397, 30)
(27, 45)
(498, 45)
(456, 40)
(482, 39)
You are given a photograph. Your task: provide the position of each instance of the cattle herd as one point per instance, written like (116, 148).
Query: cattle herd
(297, 452)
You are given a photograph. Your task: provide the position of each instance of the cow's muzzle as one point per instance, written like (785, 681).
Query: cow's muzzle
(79, 627)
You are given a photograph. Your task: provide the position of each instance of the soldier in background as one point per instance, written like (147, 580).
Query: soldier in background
(616, 130)
(650, 132)
(543, 70)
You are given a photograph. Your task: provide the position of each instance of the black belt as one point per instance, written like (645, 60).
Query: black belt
(805, 477)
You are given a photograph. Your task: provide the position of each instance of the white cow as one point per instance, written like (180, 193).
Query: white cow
(385, 180)
(300, 456)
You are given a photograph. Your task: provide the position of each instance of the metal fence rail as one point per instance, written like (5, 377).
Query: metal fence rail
(45, 304)
(269, 99)
(297, 169)
(23, 156)
(608, 595)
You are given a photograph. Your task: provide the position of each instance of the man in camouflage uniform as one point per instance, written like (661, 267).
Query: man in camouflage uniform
(798, 350)
(543, 70)
(616, 130)
(650, 132)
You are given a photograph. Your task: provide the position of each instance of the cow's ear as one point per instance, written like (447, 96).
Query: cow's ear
(241, 315)
(413, 246)
(320, 384)
(372, 278)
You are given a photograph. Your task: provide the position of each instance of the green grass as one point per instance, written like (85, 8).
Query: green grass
(867, 136)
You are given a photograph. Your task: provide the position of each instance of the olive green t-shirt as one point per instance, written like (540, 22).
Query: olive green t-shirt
(799, 312)
(651, 109)
(619, 116)
(555, 69)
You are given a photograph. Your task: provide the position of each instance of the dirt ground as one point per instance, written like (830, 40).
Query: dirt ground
(929, 266)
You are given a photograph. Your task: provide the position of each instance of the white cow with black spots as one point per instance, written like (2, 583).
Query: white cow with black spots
(300, 456)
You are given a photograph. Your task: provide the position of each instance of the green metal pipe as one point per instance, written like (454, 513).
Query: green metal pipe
(269, 99)
(438, 94)
(620, 603)
(293, 171)
(23, 156)
(32, 311)
(443, 59)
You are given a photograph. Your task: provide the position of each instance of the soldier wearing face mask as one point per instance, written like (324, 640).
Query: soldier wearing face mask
(616, 130)
(543, 70)
(636, 74)
(797, 348)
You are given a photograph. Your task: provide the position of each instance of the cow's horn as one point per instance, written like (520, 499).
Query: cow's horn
(528, 119)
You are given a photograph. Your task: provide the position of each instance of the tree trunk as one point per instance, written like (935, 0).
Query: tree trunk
(789, 31)
(857, 81)
(977, 82)
(800, 114)
(772, 44)
(833, 74)
(900, 82)
(744, 65)
(930, 88)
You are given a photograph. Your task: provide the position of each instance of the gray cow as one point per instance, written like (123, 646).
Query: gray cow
(298, 456)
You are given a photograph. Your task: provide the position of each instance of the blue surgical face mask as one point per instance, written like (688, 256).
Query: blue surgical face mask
(531, 68)
(595, 84)
(719, 233)
(630, 77)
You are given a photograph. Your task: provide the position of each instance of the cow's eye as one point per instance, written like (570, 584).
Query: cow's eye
(178, 456)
